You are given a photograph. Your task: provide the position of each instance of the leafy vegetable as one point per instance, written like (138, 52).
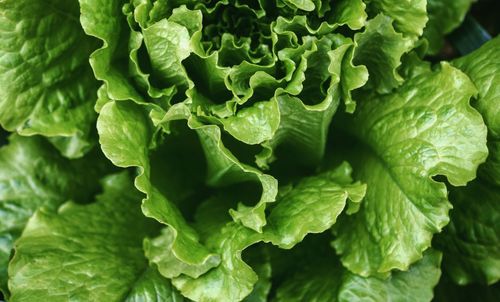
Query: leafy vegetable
(251, 151)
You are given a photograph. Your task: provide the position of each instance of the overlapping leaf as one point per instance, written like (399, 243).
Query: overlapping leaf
(34, 175)
(403, 140)
(103, 245)
(46, 84)
(471, 243)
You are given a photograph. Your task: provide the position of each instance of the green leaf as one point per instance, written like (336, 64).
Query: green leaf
(305, 118)
(403, 140)
(104, 20)
(223, 168)
(380, 48)
(153, 287)
(125, 136)
(46, 84)
(49, 266)
(483, 67)
(327, 280)
(168, 44)
(258, 260)
(471, 242)
(255, 124)
(444, 17)
(410, 16)
(233, 279)
(307, 5)
(312, 206)
(32, 175)
(351, 12)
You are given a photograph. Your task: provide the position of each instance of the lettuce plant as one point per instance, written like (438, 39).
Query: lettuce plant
(281, 150)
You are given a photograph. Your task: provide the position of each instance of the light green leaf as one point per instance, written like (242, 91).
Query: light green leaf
(32, 175)
(233, 279)
(471, 242)
(223, 168)
(483, 67)
(125, 136)
(255, 124)
(312, 206)
(403, 140)
(305, 118)
(380, 48)
(104, 20)
(168, 44)
(350, 12)
(77, 252)
(307, 5)
(153, 287)
(444, 17)
(410, 16)
(46, 84)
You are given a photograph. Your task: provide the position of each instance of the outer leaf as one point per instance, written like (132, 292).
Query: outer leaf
(46, 84)
(444, 17)
(48, 266)
(32, 175)
(331, 282)
(472, 241)
(406, 138)
(483, 67)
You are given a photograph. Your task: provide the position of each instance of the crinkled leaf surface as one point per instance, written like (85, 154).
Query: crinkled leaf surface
(471, 243)
(380, 48)
(312, 206)
(404, 139)
(46, 84)
(77, 252)
(32, 175)
(315, 202)
(410, 16)
(319, 276)
(153, 287)
(233, 279)
(483, 67)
